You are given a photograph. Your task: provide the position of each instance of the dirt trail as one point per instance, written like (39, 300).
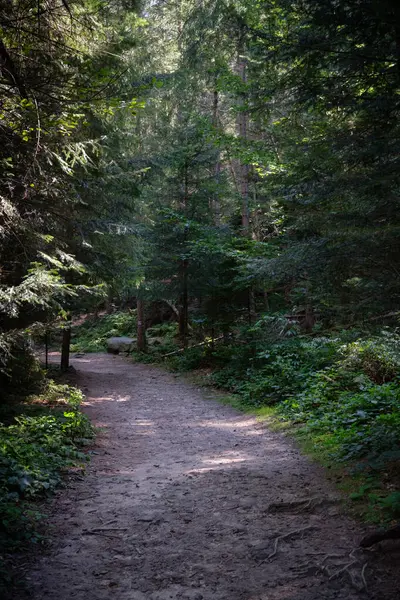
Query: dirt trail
(179, 504)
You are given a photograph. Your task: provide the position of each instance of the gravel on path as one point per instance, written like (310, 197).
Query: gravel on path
(188, 499)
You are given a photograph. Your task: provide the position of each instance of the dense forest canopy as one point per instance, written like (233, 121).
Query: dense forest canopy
(273, 121)
(235, 161)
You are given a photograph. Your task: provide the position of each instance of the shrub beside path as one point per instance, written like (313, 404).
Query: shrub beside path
(188, 499)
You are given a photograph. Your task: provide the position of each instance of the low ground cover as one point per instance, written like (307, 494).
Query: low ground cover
(339, 394)
(41, 439)
(91, 335)
(343, 400)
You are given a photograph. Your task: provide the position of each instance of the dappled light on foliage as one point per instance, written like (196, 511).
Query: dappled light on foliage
(41, 443)
(217, 182)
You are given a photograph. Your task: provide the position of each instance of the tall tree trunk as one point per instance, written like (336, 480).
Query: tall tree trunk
(397, 37)
(242, 132)
(65, 348)
(141, 331)
(9, 72)
(46, 349)
(184, 305)
(242, 122)
(216, 210)
(109, 305)
(308, 322)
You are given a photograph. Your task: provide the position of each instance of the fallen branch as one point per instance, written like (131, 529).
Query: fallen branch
(190, 347)
(395, 313)
(172, 307)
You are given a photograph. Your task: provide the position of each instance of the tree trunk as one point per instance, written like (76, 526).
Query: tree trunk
(141, 331)
(65, 348)
(184, 305)
(308, 322)
(266, 301)
(109, 305)
(243, 169)
(9, 71)
(242, 130)
(217, 169)
(46, 348)
(251, 306)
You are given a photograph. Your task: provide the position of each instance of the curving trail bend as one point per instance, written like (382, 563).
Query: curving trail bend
(186, 499)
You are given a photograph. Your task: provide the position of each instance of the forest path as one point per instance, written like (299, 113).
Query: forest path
(177, 504)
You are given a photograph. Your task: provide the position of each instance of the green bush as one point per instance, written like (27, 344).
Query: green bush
(20, 371)
(360, 424)
(92, 334)
(342, 392)
(191, 359)
(266, 376)
(35, 451)
(166, 330)
(161, 340)
(378, 358)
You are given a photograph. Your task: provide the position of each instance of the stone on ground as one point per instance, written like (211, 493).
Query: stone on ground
(115, 345)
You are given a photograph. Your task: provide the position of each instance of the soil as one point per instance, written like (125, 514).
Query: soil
(188, 499)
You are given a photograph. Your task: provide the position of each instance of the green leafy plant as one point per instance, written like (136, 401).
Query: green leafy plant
(342, 392)
(35, 453)
(92, 334)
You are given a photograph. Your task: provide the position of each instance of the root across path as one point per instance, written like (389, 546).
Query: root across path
(188, 499)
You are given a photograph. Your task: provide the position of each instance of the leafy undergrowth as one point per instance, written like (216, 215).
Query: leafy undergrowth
(161, 341)
(92, 334)
(339, 395)
(41, 440)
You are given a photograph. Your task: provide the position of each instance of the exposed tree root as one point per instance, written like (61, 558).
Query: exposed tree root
(380, 536)
(363, 576)
(299, 505)
(346, 568)
(343, 566)
(284, 536)
(343, 569)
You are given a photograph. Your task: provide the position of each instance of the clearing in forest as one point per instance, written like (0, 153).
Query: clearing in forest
(188, 499)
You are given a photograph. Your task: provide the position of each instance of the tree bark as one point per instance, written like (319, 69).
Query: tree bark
(141, 331)
(184, 305)
(242, 130)
(109, 305)
(8, 70)
(243, 168)
(46, 348)
(65, 348)
(217, 169)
